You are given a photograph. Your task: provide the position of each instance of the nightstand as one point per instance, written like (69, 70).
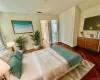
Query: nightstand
(0, 78)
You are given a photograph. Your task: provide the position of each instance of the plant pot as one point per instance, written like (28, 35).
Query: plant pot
(36, 46)
(21, 51)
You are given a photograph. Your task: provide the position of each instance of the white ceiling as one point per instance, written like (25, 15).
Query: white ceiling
(32, 6)
(45, 6)
(88, 4)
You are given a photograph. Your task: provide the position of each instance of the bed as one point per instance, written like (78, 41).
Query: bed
(48, 64)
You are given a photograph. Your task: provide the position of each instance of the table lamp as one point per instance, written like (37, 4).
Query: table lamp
(11, 45)
(4, 67)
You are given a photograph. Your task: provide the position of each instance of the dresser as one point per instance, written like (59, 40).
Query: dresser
(89, 43)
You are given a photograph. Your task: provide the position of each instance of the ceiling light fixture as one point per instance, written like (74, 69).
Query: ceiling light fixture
(39, 12)
(45, 0)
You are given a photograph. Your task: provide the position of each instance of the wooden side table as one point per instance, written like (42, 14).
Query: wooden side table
(0, 78)
(92, 44)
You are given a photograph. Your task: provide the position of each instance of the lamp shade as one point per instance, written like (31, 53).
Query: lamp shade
(4, 67)
(10, 44)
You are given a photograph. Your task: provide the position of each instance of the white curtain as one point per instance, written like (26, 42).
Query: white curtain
(2, 45)
(49, 31)
(46, 33)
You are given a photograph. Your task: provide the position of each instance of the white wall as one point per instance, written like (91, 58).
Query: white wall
(65, 26)
(94, 11)
(0, 17)
(7, 29)
(69, 27)
(76, 25)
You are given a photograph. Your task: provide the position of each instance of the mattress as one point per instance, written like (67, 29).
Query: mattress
(71, 57)
(44, 65)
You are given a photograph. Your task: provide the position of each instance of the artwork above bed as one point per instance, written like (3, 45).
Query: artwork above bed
(21, 27)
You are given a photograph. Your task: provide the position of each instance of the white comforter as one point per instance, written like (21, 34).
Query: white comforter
(43, 65)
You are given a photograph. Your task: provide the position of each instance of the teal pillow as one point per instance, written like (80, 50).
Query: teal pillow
(15, 67)
(18, 55)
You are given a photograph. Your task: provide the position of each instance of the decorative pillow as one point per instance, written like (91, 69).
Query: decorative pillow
(4, 67)
(15, 67)
(6, 55)
(18, 55)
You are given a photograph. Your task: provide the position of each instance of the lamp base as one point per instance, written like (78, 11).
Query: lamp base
(3, 77)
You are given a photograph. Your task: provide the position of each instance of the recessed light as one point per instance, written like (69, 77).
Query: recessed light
(39, 12)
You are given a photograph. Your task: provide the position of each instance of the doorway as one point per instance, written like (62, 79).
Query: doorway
(49, 31)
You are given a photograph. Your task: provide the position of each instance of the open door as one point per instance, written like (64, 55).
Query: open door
(54, 29)
(49, 30)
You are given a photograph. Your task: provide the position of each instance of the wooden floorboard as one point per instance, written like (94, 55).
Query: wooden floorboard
(91, 56)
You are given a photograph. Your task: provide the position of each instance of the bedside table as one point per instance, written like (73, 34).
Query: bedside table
(0, 78)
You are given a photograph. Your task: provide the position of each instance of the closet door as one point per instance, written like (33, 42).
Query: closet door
(66, 29)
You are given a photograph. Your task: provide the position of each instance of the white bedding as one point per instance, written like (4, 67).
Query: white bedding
(43, 65)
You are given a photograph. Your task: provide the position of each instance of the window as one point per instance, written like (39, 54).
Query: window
(1, 47)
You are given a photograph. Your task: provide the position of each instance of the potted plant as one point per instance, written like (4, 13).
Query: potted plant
(20, 42)
(82, 33)
(36, 38)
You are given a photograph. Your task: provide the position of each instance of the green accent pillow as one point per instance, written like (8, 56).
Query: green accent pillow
(18, 55)
(15, 67)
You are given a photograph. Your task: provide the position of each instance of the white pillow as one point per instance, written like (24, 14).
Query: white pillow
(4, 67)
(6, 55)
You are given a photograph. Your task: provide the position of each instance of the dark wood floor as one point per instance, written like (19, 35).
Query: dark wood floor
(93, 57)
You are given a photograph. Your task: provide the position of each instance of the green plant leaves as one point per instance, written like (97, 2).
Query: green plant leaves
(36, 37)
(20, 41)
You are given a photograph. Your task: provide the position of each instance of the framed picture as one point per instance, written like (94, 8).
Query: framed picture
(21, 27)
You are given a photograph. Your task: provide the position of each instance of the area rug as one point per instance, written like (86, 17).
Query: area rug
(79, 72)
